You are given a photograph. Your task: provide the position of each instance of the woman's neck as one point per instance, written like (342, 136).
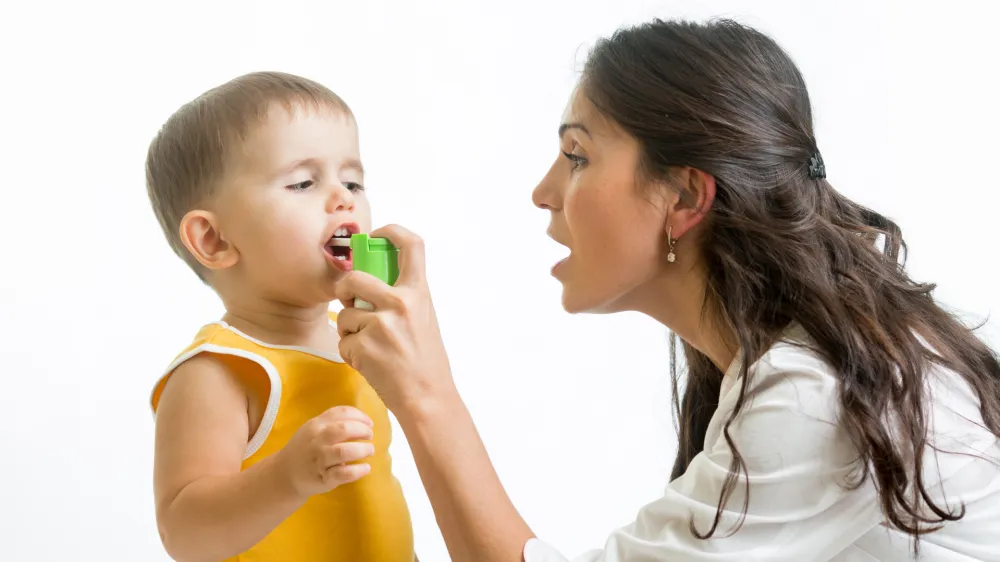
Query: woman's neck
(679, 304)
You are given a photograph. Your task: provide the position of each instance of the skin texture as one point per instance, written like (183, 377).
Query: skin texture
(262, 238)
(616, 232)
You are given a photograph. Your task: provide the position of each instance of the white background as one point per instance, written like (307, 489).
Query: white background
(458, 104)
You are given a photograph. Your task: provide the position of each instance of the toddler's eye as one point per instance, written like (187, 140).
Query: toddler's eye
(301, 186)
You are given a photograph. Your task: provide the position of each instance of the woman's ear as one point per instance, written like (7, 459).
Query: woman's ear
(199, 230)
(694, 195)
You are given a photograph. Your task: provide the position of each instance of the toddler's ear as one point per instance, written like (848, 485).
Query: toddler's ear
(202, 237)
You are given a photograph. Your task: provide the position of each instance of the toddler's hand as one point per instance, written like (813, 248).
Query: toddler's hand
(315, 458)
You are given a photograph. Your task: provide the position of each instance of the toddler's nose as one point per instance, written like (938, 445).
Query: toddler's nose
(342, 199)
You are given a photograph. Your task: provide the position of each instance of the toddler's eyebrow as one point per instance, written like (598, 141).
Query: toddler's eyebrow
(354, 164)
(303, 163)
(350, 164)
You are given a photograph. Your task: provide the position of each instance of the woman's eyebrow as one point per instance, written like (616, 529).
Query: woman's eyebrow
(567, 126)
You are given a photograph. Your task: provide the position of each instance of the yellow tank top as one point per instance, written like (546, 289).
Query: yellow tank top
(367, 520)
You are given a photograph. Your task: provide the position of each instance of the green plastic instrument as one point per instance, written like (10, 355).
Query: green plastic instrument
(375, 256)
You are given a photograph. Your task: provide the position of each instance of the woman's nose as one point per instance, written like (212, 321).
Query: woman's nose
(546, 193)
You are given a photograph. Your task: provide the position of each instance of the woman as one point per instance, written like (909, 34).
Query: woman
(831, 411)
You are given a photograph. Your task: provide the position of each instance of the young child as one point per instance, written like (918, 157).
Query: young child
(268, 446)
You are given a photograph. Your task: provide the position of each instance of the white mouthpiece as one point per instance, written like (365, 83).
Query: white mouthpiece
(363, 305)
(340, 242)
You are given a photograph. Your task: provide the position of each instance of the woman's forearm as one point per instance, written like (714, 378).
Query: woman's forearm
(477, 519)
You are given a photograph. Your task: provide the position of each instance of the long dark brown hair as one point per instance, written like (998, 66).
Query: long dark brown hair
(782, 247)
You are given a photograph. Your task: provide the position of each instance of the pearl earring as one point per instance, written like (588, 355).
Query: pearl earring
(671, 256)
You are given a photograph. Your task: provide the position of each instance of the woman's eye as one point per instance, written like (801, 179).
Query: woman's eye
(301, 186)
(577, 161)
(354, 187)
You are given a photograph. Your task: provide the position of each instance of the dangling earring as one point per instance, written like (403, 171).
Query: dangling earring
(671, 256)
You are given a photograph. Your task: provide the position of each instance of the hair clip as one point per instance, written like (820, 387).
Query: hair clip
(817, 170)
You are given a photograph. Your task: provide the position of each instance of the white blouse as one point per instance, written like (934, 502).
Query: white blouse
(797, 461)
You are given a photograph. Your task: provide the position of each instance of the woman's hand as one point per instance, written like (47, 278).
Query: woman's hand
(397, 346)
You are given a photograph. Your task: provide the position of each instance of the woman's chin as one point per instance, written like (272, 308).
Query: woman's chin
(580, 302)
(569, 305)
(571, 301)
(594, 298)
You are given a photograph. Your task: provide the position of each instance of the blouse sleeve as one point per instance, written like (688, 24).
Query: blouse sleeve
(798, 462)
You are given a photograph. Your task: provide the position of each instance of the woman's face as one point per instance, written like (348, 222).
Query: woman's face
(615, 229)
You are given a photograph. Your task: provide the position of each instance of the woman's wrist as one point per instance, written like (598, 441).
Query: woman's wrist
(431, 406)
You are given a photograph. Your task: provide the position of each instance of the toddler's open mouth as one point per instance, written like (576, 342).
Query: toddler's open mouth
(338, 247)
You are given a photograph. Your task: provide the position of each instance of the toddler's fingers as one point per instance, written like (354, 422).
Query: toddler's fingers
(345, 430)
(345, 413)
(343, 453)
(345, 474)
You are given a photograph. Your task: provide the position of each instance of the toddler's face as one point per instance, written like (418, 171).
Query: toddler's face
(297, 183)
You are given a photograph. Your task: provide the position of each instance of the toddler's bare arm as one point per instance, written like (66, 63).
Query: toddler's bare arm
(206, 508)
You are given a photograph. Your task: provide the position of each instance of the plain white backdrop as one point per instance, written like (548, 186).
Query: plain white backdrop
(458, 104)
